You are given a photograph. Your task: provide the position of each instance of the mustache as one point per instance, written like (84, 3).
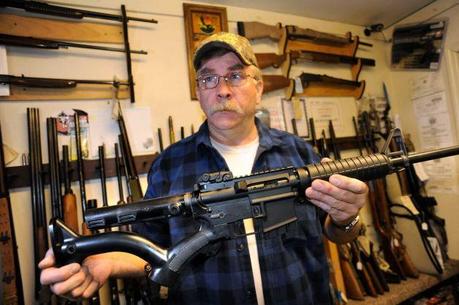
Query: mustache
(226, 106)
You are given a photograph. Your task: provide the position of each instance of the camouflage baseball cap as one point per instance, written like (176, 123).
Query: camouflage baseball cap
(223, 40)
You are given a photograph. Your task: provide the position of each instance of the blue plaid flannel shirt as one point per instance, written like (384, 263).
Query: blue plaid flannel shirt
(293, 264)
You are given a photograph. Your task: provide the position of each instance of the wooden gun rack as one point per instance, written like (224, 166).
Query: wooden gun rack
(19, 176)
(67, 31)
(321, 89)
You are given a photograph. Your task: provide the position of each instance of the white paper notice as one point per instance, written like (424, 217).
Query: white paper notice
(435, 131)
(139, 128)
(426, 84)
(324, 110)
(4, 89)
(276, 114)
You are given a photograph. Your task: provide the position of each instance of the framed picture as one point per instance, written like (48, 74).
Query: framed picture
(200, 22)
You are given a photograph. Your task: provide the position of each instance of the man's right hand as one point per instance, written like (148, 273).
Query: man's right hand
(75, 280)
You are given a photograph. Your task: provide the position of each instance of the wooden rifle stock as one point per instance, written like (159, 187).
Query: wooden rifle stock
(274, 60)
(354, 288)
(254, 30)
(362, 271)
(69, 200)
(12, 293)
(275, 82)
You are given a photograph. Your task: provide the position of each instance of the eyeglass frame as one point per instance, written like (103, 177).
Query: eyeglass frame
(200, 81)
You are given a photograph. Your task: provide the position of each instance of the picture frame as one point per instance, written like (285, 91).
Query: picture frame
(201, 21)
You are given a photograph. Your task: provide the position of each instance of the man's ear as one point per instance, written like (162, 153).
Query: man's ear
(259, 86)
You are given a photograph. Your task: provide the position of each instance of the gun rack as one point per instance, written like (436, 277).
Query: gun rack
(80, 92)
(19, 176)
(66, 30)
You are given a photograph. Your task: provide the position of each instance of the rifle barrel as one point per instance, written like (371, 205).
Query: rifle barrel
(22, 41)
(55, 83)
(67, 12)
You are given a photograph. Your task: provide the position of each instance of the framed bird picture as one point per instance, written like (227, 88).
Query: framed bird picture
(201, 21)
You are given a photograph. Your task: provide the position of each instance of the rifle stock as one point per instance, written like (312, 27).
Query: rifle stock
(69, 200)
(276, 82)
(54, 83)
(255, 30)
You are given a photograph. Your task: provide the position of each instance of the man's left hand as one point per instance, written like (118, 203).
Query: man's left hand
(341, 197)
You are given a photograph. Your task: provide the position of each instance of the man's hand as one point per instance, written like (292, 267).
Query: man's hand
(75, 280)
(341, 197)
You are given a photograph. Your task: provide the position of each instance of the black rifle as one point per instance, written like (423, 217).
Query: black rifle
(54, 168)
(307, 78)
(55, 83)
(10, 270)
(103, 183)
(40, 238)
(31, 42)
(131, 170)
(219, 201)
(67, 12)
(331, 130)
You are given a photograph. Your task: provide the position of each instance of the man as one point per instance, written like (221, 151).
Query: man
(284, 266)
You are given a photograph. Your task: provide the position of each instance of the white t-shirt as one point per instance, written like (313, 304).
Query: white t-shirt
(239, 158)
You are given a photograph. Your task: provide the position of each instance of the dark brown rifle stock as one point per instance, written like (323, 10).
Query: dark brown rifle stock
(266, 60)
(160, 140)
(354, 288)
(12, 293)
(362, 271)
(275, 82)
(307, 78)
(69, 200)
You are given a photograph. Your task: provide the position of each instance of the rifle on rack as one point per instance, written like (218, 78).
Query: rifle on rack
(308, 78)
(69, 200)
(265, 60)
(394, 250)
(10, 272)
(40, 43)
(54, 169)
(114, 297)
(219, 201)
(40, 238)
(67, 12)
(55, 83)
(129, 164)
(254, 30)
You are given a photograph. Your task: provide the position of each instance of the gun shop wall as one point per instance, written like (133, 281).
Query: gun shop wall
(162, 90)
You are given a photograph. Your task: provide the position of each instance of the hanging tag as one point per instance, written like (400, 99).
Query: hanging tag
(298, 85)
(436, 248)
(359, 266)
(297, 109)
(424, 226)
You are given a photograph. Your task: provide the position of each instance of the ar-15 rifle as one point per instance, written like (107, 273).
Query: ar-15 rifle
(40, 43)
(253, 30)
(219, 201)
(67, 12)
(265, 60)
(55, 83)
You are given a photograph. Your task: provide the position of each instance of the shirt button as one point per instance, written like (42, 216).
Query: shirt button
(240, 247)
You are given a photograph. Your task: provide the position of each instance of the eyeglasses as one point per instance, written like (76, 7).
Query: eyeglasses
(232, 79)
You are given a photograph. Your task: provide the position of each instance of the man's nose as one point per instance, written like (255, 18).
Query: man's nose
(223, 89)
